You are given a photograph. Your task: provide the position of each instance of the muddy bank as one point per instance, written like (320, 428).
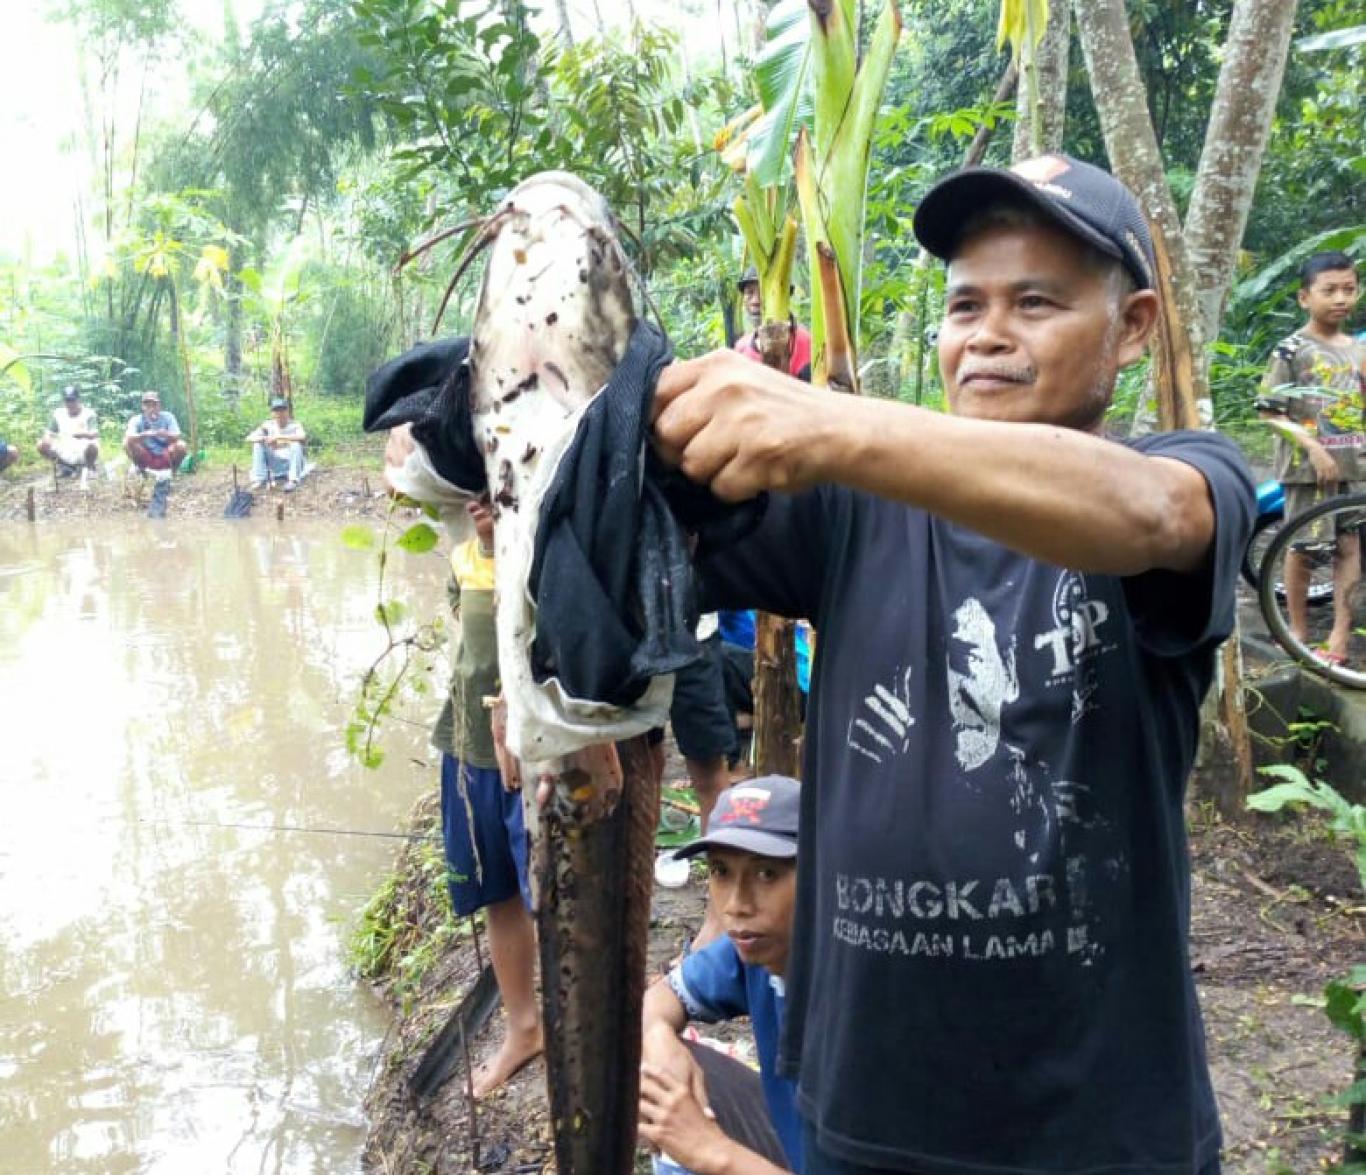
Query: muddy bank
(1277, 912)
(344, 490)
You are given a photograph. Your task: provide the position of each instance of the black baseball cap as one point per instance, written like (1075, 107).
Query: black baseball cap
(750, 276)
(1078, 197)
(758, 816)
(70, 392)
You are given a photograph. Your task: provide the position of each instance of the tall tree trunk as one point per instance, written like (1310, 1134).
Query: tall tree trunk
(758, 27)
(1179, 360)
(1130, 142)
(566, 30)
(1050, 59)
(232, 333)
(1235, 140)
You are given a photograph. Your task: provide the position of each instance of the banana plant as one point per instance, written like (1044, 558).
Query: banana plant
(819, 100)
(830, 157)
(274, 294)
(1022, 23)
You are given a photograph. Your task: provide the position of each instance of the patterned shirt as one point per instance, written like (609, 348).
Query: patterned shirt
(1319, 386)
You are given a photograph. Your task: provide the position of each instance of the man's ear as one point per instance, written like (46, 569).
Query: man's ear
(1302, 297)
(1138, 318)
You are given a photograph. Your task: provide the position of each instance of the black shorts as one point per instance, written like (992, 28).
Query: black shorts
(703, 727)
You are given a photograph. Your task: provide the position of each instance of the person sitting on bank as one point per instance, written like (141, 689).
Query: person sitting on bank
(703, 1110)
(8, 455)
(799, 358)
(72, 438)
(152, 440)
(277, 448)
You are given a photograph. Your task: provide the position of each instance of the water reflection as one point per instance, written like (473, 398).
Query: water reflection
(172, 990)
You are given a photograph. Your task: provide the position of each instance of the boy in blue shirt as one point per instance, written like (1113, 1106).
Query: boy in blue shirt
(708, 1113)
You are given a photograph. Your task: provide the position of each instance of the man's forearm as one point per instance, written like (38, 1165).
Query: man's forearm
(1057, 494)
(734, 1159)
(661, 1007)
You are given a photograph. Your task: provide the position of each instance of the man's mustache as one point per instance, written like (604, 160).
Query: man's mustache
(1002, 371)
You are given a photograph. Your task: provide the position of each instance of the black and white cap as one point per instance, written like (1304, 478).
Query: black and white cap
(758, 816)
(1080, 198)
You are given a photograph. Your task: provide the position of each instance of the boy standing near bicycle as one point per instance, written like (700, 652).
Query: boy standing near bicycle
(1313, 398)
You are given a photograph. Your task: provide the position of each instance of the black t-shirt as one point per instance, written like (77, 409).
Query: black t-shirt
(989, 969)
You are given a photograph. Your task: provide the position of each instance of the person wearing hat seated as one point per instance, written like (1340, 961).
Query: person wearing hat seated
(705, 1111)
(152, 440)
(277, 448)
(72, 438)
(1019, 620)
(799, 360)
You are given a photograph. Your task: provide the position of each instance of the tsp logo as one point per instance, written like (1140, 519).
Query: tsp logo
(1078, 620)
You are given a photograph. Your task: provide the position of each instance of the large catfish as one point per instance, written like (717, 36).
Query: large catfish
(554, 318)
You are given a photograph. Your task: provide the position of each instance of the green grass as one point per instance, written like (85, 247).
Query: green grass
(408, 925)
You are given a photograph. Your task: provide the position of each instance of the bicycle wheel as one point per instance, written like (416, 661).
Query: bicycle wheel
(1264, 530)
(1310, 539)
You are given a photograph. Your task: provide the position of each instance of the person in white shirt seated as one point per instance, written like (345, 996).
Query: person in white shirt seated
(72, 438)
(277, 448)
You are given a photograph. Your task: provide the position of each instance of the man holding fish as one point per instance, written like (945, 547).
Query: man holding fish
(1018, 620)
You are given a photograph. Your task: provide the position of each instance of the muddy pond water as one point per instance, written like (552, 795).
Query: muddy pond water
(185, 844)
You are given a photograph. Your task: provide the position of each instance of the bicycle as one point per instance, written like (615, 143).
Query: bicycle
(1312, 535)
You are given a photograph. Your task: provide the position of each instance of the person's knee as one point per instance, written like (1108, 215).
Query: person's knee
(45, 449)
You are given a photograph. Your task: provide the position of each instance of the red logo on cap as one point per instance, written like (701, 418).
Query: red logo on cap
(1042, 169)
(746, 808)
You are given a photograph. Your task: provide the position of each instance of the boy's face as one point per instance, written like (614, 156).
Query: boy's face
(754, 896)
(1331, 296)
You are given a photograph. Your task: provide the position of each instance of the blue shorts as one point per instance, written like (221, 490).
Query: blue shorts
(485, 837)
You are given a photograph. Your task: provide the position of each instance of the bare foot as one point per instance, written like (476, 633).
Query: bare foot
(516, 1052)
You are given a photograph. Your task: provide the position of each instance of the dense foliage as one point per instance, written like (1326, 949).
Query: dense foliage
(243, 242)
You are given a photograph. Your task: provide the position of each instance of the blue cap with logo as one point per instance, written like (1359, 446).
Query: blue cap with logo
(758, 816)
(1078, 197)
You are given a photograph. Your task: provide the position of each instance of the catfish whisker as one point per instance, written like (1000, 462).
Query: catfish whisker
(431, 242)
(487, 235)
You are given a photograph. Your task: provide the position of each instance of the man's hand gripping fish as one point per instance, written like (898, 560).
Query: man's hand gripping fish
(549, 408)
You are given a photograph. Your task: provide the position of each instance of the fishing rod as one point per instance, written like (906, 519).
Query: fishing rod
(317, 830)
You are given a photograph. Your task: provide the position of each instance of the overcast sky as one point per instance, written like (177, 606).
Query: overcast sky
(43, 145)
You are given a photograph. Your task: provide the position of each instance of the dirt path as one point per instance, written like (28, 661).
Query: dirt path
(1276, 913)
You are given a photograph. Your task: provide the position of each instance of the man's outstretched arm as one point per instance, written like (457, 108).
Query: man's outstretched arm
(1056, 494)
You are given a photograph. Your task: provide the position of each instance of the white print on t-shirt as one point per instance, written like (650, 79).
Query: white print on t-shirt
(883, 726)
(1074, 642)
(977, 697)
(976, 919)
